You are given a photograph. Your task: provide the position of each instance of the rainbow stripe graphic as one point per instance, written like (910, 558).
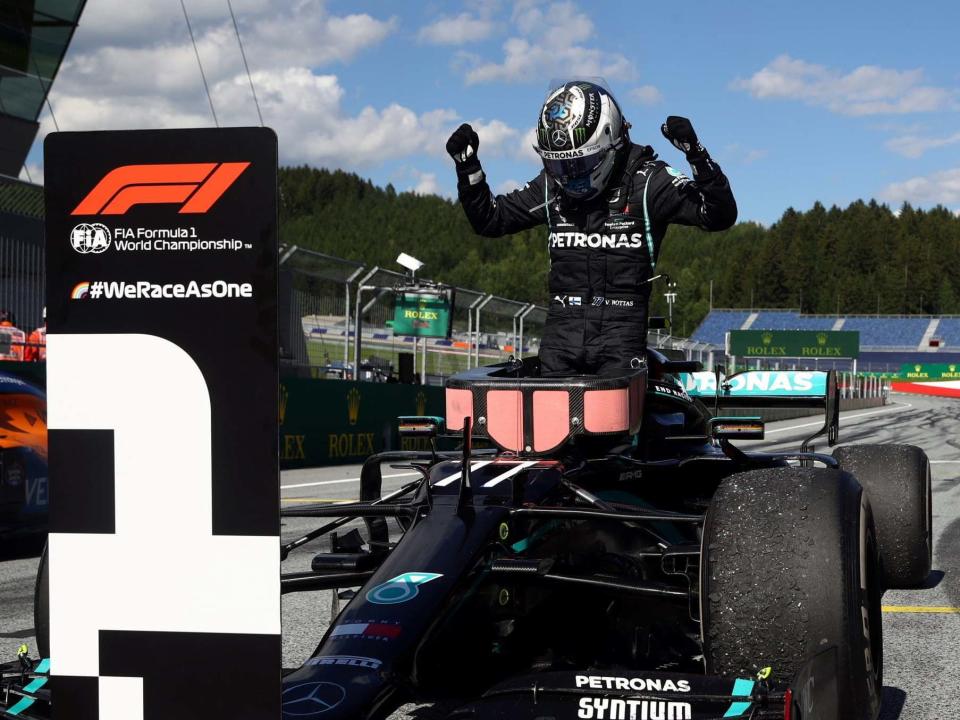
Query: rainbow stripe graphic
(80, 291)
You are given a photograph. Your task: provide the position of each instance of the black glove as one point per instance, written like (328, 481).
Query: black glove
(462, 147)
(680, 133)
(463, 144)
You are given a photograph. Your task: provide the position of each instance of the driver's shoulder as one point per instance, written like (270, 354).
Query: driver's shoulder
(665, 177)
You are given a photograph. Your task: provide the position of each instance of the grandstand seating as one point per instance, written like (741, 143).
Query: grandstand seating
(791, 320)
(949, 332)
(903, 332)
(716, 324)
(875, 331)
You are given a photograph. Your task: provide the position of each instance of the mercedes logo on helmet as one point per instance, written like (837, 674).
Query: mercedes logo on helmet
(312, 698)
(558, 137)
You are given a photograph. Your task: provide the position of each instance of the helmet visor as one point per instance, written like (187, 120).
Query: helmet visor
(563, 168)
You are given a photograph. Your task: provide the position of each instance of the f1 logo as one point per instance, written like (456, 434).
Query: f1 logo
(197, 185)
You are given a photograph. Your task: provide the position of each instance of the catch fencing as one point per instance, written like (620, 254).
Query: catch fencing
(22, 255)
(322, 296)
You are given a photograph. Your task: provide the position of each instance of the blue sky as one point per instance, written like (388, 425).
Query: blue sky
(798, 101)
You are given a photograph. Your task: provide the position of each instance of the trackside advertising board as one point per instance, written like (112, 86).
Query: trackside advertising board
(423, 314)
(794, 343)
(162, 379)
(930, 371)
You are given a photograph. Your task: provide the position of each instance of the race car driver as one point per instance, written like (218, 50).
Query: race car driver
(606, 203)
(12, 338)
(36, 348)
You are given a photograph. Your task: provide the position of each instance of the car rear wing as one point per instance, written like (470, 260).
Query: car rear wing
(771, 389)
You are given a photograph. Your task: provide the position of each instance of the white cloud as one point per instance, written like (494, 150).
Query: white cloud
(525, 149)
(866, 90)
(741, 155)
(647, 95)
(507, 186)
(939, 188)
(132, 69)
(305, 111)
(913, 146)
(278, 36)
(274, 31)
(497, 139)
(561, 22)
(458, 30)
(426, 184)
(548, 45)
(495, 136)
(123, 84)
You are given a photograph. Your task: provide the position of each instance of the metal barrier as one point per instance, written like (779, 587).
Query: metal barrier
(22, 255)
(322, 298)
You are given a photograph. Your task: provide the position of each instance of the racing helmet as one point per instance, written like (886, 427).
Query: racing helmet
(579, 134)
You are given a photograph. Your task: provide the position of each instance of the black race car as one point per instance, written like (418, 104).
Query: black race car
(600, 548)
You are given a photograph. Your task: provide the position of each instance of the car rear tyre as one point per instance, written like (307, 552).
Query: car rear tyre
(896, 478)
(41, 605)
(789, 568)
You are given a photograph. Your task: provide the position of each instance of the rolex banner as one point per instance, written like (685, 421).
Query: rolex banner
(162, 382)
(820, 344)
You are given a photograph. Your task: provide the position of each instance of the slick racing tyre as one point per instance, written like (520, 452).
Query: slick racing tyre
(789, 568)
(41, 606)
(897, 481)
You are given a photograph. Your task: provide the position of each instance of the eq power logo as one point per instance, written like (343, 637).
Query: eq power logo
(194, 186)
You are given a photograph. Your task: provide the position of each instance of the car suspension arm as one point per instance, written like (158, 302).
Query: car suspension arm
(302, 582)
(286, 549)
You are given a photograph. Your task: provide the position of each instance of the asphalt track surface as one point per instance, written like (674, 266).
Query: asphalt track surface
(921, 627)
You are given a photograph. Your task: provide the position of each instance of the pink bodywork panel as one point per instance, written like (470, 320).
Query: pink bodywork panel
(606, 410)
(637, 393)
(505, 418)
(551, 418)
(459, 406)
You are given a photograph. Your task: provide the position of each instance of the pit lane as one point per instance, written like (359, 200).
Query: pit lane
(921, 627)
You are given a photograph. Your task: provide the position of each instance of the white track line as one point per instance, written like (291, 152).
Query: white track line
(904, 406)
(345, 480)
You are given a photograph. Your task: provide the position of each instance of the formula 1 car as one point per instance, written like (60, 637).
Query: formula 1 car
(23, 457)
(610, 554)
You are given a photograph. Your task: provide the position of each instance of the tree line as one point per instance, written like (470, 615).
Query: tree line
(864, 258)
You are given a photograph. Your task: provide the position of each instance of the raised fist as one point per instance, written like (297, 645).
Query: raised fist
(463, 144)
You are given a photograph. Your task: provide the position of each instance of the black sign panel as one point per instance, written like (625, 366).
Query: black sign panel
(162, 382)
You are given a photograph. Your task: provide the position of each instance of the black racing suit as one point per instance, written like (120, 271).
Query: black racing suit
(602, 251)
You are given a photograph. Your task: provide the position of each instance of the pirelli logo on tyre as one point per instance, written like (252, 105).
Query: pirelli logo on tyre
(195, 186)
